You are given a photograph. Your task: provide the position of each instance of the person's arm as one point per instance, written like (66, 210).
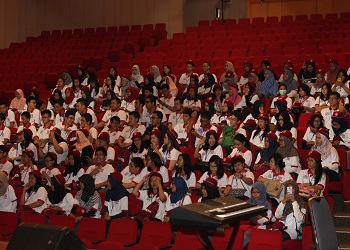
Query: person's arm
(196, 152)
(23, 195)
(161, 193)
(102, 184)
(100, 125)
(136, 189)
(55, 144)
(279, 210)
(128, 185)
(172, 165)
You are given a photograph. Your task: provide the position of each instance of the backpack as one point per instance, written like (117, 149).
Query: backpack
(228, 134)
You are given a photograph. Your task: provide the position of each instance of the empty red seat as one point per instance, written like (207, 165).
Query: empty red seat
(203, 23)
(8, 224)
(62, 220)
(33, 218)
(261, 239)
(91, 229)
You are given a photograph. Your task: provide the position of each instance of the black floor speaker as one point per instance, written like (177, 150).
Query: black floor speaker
(29, 236)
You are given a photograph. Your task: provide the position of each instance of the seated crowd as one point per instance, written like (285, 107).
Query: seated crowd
(166, 141)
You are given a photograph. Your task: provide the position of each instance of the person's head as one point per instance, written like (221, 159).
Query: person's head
(206, 67)
(35, 180)
(150, 102)
(334, 99)
(139, 102)
(69, 117)
(205, 119)
(326, 90)
(60, 83)
(235, 118)
(74, 158)
(216, 166)
(284, 121)
(136, 165)
(3, 152)
(100, 155)
(264, 64)
(276, 162)
(166, 69)
(189, 66)
(76, 83)
(259, 193)
(114, 123)
(135, 70)
(227, 107)
(333, 65)
(112, 71)
(287, 74)
(178, 104)
(282, 90)
(27, 157)
(134, 118)
(322, 136)
(2, 118)
(165, 90)
(304, 90)
(263, 120)
(86, 120)
(3, 108)
(58, 106)
(314, 160)
(50, 160)
(210, 189)
(187, 114)
(87, 185)
(285, 138)
(153, 161)
(342, 76)
(19, 94)
(320, 77)
(25, 118)
(316, 120)
(156, 137)
(31, 102)
(154, 181)
(81, 105)
(115, 103)
(240, 142)
(137, 143)
(103, 139)
(45, 116)
(156, 118)
(238, 163)
(211, 140)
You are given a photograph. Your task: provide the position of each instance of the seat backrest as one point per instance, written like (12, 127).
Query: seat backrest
(156, 233)
(62, 220)
(8, 222)
(185, 238)
(123, 231)
(265, 239)
(304, 119)
(134, 205)
(33, 218)
(92, 229)
(323, 226)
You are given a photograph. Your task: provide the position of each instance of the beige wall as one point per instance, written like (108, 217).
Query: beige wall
(197, 10)
(296, 7)
(22, 18)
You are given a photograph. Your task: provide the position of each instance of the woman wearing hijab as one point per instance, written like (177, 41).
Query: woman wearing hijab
(248, 67)
(74, 169)
(67, 78)
(331, 75)
(270, 146)
(264, 64)
(55, 97)
(307, 72)
(8, 199)
(290, 82)
(291, 211)
(95, 89)
(259, 198)
(206, 90)
(258, 108)
(59, 198)
(289, 153)
(107, 102)
(155, 71)
(209, 189)
(171, 81)
(269, 86)
(340, 133)
(234, 97)
(228, 67)
(310, 135)
(136, 78)
(70, 100)
(17, 104)
(249, 91)
(117, 197)
(84, 146)
(124, 84)
(81, 73)
(330, 157)
(178, 196)
(89, 101)
(131, 95)
(36, 94)
(87, 201)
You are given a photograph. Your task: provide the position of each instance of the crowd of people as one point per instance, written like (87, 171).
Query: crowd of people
(132, 134)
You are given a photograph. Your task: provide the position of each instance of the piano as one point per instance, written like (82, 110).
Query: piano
(211, 214)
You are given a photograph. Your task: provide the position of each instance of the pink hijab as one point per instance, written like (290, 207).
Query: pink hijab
(235, 98)
(229, 68)
(83, 141)
(18, 103)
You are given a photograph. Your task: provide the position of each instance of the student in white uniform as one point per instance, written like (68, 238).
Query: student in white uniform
(59, 198)
(310, 135)
(178, 197)
(132, 173)
(276, 172)
(305, 98)
(74, 170)
(340, 132)
(8, 199)
(313, 178)
(241, 147)
(154, 194)
(291, 211)
(289, 153)
(208, 146)
(5, 165)
(184, 170)
(34, 194)
(258, 135)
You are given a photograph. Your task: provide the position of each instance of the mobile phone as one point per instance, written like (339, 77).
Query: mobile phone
(289, 190)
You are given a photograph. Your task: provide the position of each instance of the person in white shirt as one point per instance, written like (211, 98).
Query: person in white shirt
(82, 109)
(177, 116)
(86, 121)
(201, 129)
(170, 150)
(184, 170)
(207, 147)
(59, 198)
(5, 165)
(148, 110)
(116, 200)
(5, 132)
(258, 135)
(241, 147)
(276, 172)
(25, 120)
(132, 173)
(334, 105)
(178, 197)
(185, 77)
(125, 139)
(43, 133)
(8, 199)
(154, 193)
(114, 130)
(35, 116)
(341, 85)
(67, 125)
(289, 153)
(313, 178)
(10, 120)
(184, 129)
(307, 101)
(115, 110)
(206, 69)
(34, 194)
(239, 184)
(310, 134)
(50, 168)
(101, 169)
(167, 101)
(74, 170)
(26, 166)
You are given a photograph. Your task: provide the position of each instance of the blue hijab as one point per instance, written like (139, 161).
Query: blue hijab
(262, 201)
(267, 153)
(117, 190)
(269, 86)
(181, 189)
